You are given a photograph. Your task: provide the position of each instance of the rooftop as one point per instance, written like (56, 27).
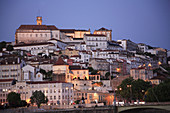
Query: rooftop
(60, 62)
(37, 27)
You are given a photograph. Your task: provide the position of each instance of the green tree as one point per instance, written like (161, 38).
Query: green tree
(133, 89)
(160, 93)
(43, 72)
(9, 48)
(49, 74)
(2, 45)
(38, 97)
(90, 69)
(14, 99)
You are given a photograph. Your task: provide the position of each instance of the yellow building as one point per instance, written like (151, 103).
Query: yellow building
(80, 73)
(92, 96)
(104, 31)
(61, 71)
(75, 33)
(70, 52)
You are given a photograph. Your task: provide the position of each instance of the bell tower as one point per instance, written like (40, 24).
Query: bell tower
(39, 20)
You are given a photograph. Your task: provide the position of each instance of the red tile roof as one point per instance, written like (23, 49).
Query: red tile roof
(6, 80)
(94, 35)
(71, 30)
(33, 44)
(37, 27)
(45, 82)
(60, 62)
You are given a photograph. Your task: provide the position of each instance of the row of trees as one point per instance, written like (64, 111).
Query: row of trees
(37, 97)
(131, 89)
(159, 93)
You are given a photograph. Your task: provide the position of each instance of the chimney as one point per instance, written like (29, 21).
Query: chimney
(39, 20)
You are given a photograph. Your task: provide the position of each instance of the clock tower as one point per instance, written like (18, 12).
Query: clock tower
(39, 20)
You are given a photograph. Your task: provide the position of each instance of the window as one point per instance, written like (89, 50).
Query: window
(50, 97)
(56, 35)
(58, 90)
(36, 35)
(59, 97)
(77, 72)
(54, 97)
(54, 91)
(46, 91)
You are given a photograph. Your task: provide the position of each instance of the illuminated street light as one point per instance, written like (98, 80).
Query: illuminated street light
(159, 63)
(149, 65)
(118, 69)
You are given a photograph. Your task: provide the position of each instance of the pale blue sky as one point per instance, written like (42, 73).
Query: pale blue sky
(142, 21)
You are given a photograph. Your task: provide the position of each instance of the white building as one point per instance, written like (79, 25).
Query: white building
(143, 47)
(48, 47)
(95, 41)
(31, 73)
(128, 45)
(58, 93)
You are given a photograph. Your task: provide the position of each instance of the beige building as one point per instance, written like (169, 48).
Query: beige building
(5, 85)
(10, 67)
(75, 33)
(58, 93)
(92, 96)
(70, 52)
(61, 71)
(141, 73)
(104, 31)
(80, 73)
(36, 33)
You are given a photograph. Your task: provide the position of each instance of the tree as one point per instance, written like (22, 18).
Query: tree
(107, 75)
(94, 72)
(133, 89)
(14, 99)
(23, 103)
(90, 69)
(43, 72)
(9, 48)
(49, 74)
(2, 45)
(38, 97)
(160, 93)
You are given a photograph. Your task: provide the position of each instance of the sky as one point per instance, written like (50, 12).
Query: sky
(141, 21)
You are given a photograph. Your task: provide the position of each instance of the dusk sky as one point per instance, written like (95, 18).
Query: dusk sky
(142, 21)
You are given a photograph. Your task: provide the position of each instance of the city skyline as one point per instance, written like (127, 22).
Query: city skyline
(140, 21)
